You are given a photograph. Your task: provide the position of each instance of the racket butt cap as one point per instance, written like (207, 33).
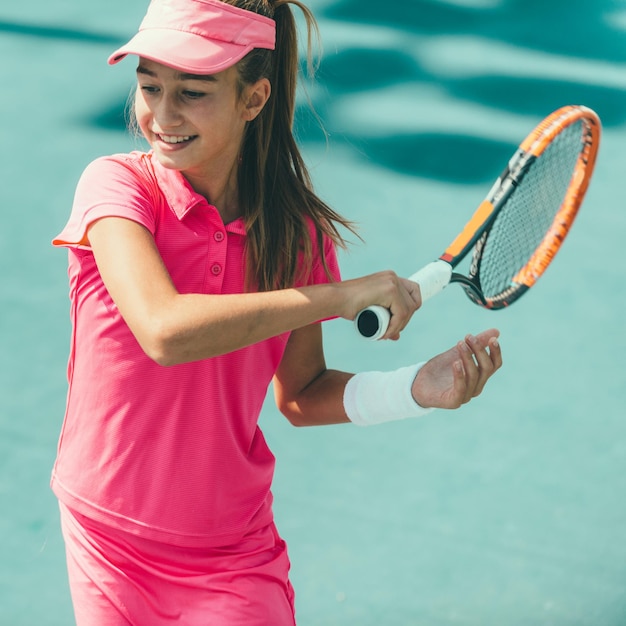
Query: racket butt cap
(372, 322)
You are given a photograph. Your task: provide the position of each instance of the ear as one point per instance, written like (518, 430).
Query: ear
(255, 98)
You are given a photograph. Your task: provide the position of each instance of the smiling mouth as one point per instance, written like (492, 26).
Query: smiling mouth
(175, 139)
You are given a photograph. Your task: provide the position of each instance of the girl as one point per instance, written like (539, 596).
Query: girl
(198, 273)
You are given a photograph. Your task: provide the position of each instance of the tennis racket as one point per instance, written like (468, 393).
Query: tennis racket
(520, 226)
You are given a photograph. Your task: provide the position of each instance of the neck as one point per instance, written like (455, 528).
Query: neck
(220, 190)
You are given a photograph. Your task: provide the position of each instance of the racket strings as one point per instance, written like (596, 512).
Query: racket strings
(528, 214)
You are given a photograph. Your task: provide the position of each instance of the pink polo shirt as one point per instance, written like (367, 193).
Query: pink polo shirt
(172, 453)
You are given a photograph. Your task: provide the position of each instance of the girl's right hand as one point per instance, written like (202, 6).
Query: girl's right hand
(399, 295)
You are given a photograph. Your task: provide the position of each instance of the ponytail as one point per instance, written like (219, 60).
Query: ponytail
(275, 191)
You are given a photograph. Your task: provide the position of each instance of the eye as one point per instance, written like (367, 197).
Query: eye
(149, 89)
(193, 95)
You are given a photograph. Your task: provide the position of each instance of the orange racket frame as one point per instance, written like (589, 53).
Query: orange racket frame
(529, 150)
(373, 321)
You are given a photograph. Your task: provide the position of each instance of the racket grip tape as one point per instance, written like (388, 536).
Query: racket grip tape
(372, 322)
(432, 278)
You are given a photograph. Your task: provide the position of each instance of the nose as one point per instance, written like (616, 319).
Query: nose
(166, 113)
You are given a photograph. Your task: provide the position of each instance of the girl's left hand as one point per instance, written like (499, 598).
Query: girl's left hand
(456, 376)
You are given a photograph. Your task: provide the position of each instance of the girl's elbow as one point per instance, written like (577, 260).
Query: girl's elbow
(160, 345)
(297, 420)
(292, 413)
(162, 358)
(158, 352)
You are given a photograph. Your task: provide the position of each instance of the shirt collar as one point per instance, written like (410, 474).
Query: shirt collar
(182, 198)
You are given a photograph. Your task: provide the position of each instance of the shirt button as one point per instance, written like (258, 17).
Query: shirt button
(218, 235)
(216, 269)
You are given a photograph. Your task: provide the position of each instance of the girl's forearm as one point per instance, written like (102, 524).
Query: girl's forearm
(191, 327)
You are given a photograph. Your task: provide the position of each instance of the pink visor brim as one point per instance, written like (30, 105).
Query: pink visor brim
(198, 36)
(182, 51)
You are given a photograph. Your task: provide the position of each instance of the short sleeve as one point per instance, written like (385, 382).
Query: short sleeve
(317, 273)
(332, 263)
(111, 186)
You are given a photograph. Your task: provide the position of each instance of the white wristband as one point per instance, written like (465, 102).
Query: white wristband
(376, 397)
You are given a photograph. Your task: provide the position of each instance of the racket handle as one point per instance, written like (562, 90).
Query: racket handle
(432, 278)
(372, 322)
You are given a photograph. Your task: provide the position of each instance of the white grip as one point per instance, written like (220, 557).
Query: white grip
(373, 321)
(432, 278)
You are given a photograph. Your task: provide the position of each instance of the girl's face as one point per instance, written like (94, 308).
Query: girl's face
(193, 123)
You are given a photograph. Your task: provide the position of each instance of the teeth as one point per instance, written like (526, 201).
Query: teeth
(173, 138)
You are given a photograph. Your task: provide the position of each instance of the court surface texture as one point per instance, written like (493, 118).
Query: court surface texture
(510, 511)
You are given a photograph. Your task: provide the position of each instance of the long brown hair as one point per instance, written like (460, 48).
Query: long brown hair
(275, 191)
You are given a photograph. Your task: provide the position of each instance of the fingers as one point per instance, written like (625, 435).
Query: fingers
(406, 299)
(487, 350)
(400, 296)
(466, 384)
(413, 290)
(457, 375)
(461, 384)
(403, 299)
(480, 357)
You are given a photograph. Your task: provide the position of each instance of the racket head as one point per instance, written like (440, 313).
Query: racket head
(517, 230)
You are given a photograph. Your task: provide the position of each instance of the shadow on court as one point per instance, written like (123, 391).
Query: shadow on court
(509, 513)
(362, 70)
(40, 31)
(573, 31)
(572, 28)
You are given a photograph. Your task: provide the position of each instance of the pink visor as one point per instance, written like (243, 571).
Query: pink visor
(198, 36)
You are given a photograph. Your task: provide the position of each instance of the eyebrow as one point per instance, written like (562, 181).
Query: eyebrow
(179, 75)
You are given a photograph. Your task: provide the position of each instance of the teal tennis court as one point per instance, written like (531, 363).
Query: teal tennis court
(510, 511)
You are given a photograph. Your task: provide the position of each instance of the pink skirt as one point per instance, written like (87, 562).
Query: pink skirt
(119, 579)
